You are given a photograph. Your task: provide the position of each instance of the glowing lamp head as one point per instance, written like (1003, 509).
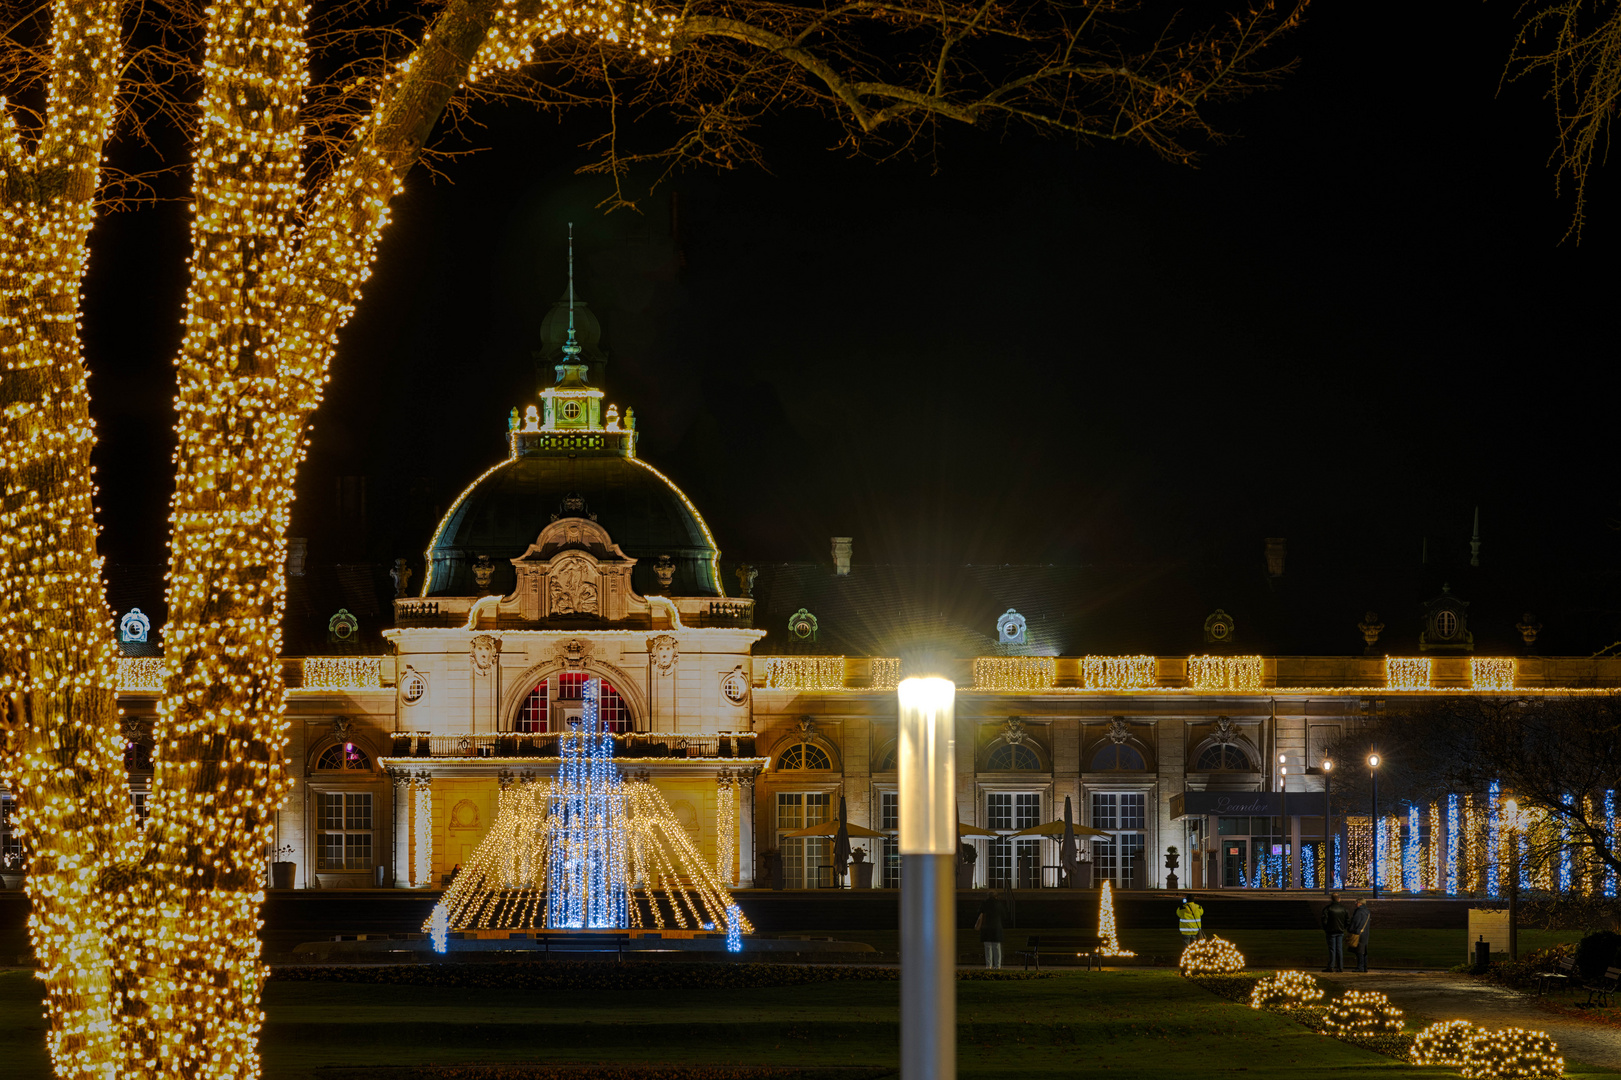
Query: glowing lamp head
(1373, 761)
(1328, 766)
(927, 766)
(1282, 758)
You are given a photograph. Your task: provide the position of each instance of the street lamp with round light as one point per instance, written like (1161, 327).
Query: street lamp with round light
(1285, 878)
(1373, 770)
(1328, 824)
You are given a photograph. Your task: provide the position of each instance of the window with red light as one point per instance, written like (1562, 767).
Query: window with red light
(534, 714)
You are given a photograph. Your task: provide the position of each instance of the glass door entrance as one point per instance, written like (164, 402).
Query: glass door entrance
(1234, 861)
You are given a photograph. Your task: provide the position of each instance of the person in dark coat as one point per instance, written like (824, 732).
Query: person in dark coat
(1336, 919)
(989, 925)
(1359, 926)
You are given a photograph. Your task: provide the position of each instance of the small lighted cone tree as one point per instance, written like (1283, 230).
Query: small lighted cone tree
(1108, 930)
(148, 939)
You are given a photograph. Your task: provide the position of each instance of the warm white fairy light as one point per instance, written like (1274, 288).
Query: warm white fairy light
(1491, 672)
(1119, 672)
(1226, 672)
(725, 829)
(343, 672)
(1015, 673)
(1211, 956)
(1408, 672)
(804, 673)
(140, 673)
(1108, 929)
(1444, 1043)
(1511, 1053)
(884, 672)
(1286, 989)
(422, 833)
(1362, 1012)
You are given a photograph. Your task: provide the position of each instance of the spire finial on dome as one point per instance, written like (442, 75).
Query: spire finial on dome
(571, 348)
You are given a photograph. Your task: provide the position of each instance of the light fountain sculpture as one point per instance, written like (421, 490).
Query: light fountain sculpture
(588, 851)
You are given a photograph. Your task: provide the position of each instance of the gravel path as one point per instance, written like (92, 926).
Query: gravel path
(1443, 996)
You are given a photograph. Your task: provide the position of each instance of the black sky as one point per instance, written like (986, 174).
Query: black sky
(1349, 326)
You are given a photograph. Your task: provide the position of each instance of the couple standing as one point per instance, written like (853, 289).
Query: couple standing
(1339, 922)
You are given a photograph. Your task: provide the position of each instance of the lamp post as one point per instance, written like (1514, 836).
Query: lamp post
(928, 827)
(1283, 787)
(1328, 825)
(1373, 819)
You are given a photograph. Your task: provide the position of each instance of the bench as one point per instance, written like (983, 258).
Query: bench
(1563, 974)
(614, 943)
(1603, 988)
(1035, 947)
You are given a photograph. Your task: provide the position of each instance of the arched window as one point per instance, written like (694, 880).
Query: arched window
(534, 714)
(1012, 756)
(804, 756)
(1223, 757)
(1118, 757)
(888, 762)
(344, 755)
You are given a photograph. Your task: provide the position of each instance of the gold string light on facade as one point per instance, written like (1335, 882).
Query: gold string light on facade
(1211, 956)
(1444, 1043)
(1408, 672)
(726, 829)
(1511, 1053)
(804, 673)
(1108, 929)
(1015, 673)
(884, 673)
(1362, 1012)
(1226, 672)
(1285, 990)
(140, 673)
(421, 839)
(343, 672)
(1491, 672)
(1119, 672)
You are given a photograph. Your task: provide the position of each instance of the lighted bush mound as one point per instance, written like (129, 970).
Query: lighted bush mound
(1285, 990)
(1362, 1012)
(1211, 956)
(1444, 1043)
(1511, 1053)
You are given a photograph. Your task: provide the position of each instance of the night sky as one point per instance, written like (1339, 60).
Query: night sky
(1348, 326)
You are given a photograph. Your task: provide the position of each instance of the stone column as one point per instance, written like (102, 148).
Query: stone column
(403, 809)
(745, 829)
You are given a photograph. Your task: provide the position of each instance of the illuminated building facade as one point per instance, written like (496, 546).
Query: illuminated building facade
(573, 559)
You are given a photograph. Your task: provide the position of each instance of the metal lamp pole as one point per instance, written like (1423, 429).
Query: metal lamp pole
(928, 828)
(1328, 825)
(1373, 769)
(1285, 878)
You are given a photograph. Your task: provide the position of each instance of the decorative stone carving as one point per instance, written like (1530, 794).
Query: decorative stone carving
(802, 625)
(573, 587)
(343, 628)
(573, 653)
(1118, 731)
(1219, 628)
(134, 626)
(1013, 732)
(574, 569)
(664, 570)
(806, 728)
(401, 573)
(573, 505)
(483, 570)
(665, 652)
(342, 726)
(745, 580)
(734, 686)
(1226, 730)
(484, 650)
(1010, 628)
(1371, 628)
(1528, 628)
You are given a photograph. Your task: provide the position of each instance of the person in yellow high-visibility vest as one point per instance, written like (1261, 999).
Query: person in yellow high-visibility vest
(1190, 919)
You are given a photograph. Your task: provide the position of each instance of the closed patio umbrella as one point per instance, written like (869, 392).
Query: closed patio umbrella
(841, 842)
(1068, 850)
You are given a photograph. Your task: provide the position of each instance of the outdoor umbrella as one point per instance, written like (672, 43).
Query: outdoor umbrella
(964, 829)
(1068, 855)
(1057, 828)
(831, 828)
(841, 842)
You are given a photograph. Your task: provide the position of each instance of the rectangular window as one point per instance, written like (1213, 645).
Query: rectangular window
(803, 857)
(344, 837)
(1118, 857)
(889, 817)
(1015, 862)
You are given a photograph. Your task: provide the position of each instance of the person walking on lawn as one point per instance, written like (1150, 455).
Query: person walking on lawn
(1336, 919)
(1359, 934)
(989, 925)
(1190, 920)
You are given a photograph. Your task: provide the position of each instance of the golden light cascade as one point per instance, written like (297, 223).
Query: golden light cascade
(1407, 672)
(1491, 672)
(726, 830)
(1119, 672)
(1226, 672)
(1015, 673)
(885, 673)
(343, 672)
(804, 673)
(140, 673)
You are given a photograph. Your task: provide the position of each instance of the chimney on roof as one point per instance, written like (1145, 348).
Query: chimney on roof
(841, 555)
(1474, 541)
(1276, 548)
(297, 549)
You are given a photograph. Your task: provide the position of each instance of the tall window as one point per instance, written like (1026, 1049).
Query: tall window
(11, 845)
(1012, 756)
(535, 714)
(344, 755)
(1015, 863)
(1113, 758)
(889, 817)
(1223, 757)
(344, 839)
(1118, 857)
(804, 756)
(803, 856)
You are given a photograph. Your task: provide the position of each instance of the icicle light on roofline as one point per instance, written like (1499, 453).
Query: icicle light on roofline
(343, 672)
(804, 673)
(1407, 672)
(1226, 672)
(140, 673)
(884, 673)
(1491, 672)
(1119, 672)
(1015, 673)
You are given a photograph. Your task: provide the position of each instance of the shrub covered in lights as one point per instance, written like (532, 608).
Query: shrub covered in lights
(1511, 1052)
(1286, 989)
(1211, 956)
(1362, 1012)
(1443, 1044)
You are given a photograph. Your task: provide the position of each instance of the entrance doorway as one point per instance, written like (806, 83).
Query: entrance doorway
(1234, 861)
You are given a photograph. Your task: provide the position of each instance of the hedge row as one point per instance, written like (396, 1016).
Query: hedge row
(605, 1072)
(586, 975)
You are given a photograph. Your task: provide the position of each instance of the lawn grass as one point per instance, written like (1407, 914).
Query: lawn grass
(1127, 1023)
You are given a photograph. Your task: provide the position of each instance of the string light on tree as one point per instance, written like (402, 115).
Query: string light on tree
(1442, 1044)
(1286, 989)
(1211, 956)
(1362, 1012)
(1108, 930)
(1511, 1053)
